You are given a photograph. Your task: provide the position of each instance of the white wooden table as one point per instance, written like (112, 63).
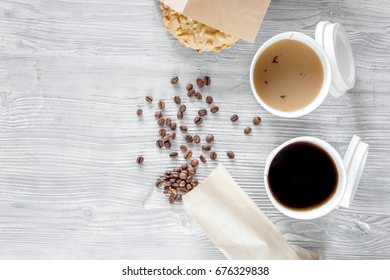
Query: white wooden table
(72, 74)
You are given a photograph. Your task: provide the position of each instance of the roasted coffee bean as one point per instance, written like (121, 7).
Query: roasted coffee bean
(198, 95)
(173, 126)
(189, 139)
(200, 82)
(183, 148)
(173, 155)
(191, 170)
(184, 166)
(189, 187)
(182, 108)
(159, 183)
(247, 130)
(177, 100)
(256, 120)
(209, 138)
(183, 128)
(198, 120)
(161, 121)
(188, 155)
(213, 155)
(173, 136)
(158, 114)
(168, 121)
(140, 160)
(171, 199)
(176, 169)
(234, 118)
(182, 184)
(202, 112)
(174, 80)
(189, 86)
(194, 162)
(214, 109)
(207, 80)
(139, 112)
(161, 104)
(149, 99)
(166, 137)
(209, 100)
(183, 175)
(206, 147)
(167, 145)
(159, 143)
(202, 159)
(230, 154)
(179, 115)
(196, 139)
(191, 93)
(162, 132)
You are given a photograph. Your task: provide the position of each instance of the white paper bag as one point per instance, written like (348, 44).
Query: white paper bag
(235, 224)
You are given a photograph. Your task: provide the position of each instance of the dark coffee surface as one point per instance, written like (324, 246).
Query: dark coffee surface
(302, 176)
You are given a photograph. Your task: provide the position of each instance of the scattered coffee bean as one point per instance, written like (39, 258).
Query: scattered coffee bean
(158, 114)
(179, 115)
(196, 139)
(194, 162)
(177, 100)
(159, 183)
(173, 126)
(139, 112)
(247, 130)
(183, 128)
(166, 138)
(168, 121)
(256, 120)
(191, 93)
(202, 112)
(188, 154)
(159, 143)
(206, 147)
(161, 121)
(162, 132)
(174, 80)
(183, 148)
(214, 109)
(234, 118)
(209, 100)
(184, 166)
(198, 95)
(189, 139)
(200, 82)
(149, 99)
(173, 155)
(189, 86)
(198, 120)
(161, 104)
(171, 199)
(230, 154)
(183, 175)
(202, 159)
(209, 138)
(207, 80)
(191, 170)
(213, 155)
(173, 136)
(182, 108)
(167, 145)
(140, 160)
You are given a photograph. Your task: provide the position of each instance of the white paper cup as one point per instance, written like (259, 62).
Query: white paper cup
(332, 203)
(311, 43)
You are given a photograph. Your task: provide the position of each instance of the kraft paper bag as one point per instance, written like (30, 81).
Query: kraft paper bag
(235, 224)
(239, 18)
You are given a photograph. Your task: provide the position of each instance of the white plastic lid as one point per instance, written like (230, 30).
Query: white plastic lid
(334, 40)
(354, 161)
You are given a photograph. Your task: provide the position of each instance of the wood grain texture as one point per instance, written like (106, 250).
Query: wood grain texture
(73, 73)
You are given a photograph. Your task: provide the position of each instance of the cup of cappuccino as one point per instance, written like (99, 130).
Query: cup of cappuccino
(305, 177)
(292, 74)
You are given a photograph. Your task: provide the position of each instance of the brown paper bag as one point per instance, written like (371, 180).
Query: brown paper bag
(235, 224)
(239, 18)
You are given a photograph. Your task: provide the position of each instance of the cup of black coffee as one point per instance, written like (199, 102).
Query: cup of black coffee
(305, 177)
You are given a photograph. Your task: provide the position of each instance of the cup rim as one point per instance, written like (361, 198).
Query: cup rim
(310, 42)
(329, 205)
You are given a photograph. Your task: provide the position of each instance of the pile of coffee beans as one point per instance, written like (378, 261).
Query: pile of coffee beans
(180, 180)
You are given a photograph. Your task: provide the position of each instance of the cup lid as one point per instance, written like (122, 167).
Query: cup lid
(354, 161)
(334, 40)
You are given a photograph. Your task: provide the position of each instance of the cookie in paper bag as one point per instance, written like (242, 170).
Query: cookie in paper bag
(194, 34)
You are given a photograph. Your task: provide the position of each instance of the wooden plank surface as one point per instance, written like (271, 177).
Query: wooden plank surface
(73, 73)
